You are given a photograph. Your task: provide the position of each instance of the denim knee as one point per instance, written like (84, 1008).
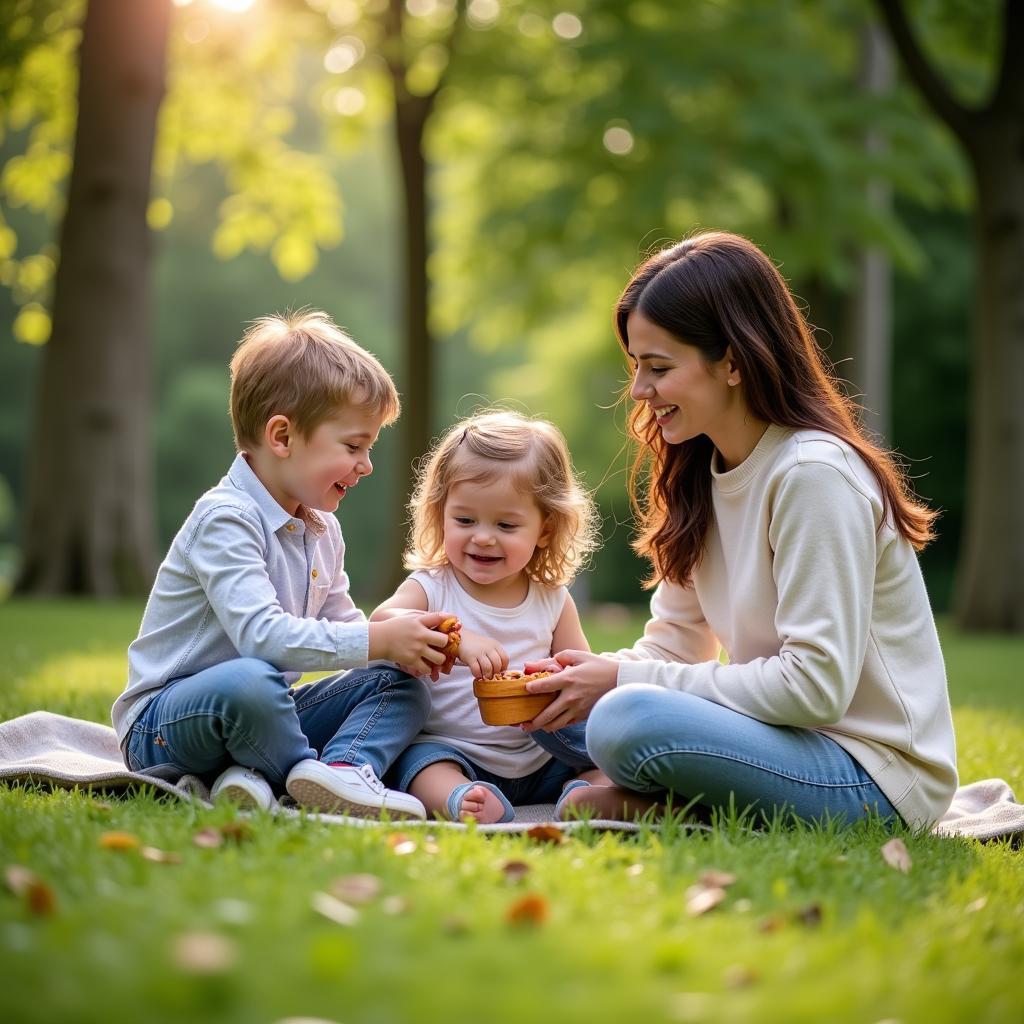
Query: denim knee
(249, 687)
(618, 725)
(416, 689)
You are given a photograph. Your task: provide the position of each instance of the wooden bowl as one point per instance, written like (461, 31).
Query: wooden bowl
(503, 700)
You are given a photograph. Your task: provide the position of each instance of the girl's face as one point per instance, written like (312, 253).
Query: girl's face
(491, 532)
(687, 395)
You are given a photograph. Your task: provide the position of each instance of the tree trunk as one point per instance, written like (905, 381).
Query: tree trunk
(990, 578)
(89, 523)
(990, 584)
(871, 301)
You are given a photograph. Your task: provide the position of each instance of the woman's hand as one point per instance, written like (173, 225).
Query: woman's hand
(581, 679)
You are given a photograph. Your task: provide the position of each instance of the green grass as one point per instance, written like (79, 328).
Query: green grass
(816, 927)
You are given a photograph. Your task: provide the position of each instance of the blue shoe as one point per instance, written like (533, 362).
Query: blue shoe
(569, 787)
(454, 801)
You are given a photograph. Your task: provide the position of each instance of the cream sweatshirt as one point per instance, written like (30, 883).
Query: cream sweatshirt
(822, 610)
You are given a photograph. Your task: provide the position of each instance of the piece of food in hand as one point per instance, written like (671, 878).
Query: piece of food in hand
(504, 700)
(451, 626)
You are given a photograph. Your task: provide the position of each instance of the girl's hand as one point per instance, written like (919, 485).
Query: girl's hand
(582, 680)
(483, 656)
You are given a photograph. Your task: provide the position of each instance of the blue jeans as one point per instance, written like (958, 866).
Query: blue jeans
(650, 739)
(243, 712)
(543, 786)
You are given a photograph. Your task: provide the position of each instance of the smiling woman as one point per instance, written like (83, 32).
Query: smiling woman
(777, 530)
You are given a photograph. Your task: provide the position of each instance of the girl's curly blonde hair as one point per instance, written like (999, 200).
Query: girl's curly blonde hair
(533, 455)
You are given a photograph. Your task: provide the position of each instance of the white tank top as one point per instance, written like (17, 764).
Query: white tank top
(526, 633)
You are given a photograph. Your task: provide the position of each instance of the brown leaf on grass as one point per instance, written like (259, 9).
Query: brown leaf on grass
(545, 834)
(356, 889)
(809, 916)
(896, 855)
(401, 845)
(702, 898)
(208, 838)
(204, 953)
(530, 911)
(122, 841)
(334, 909)
(27, 885)
(237, 831)
(716, 879)
(157, 856)
(515, 870)
(739, 976)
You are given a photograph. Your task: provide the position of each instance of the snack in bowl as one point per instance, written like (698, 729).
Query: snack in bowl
(504, 700)
(451, 626)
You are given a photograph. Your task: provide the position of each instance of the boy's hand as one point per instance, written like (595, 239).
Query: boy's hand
(483, 656)
(411, 641)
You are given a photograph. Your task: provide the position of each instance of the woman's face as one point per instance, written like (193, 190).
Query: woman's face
(687, 395)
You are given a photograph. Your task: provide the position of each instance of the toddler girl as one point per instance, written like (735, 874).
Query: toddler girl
(500, 525)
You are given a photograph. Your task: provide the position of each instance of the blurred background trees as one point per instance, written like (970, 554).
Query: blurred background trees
(466, 188)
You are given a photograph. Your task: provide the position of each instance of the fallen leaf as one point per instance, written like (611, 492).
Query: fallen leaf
(896, 855)
(119, 841)
(702, 898)
(19, 878)
(334, 909)
(237, 831)
(809, 916)
(739, 976)
(208, 838)
(204, 953)
(531, 910)
(546, 834)
(401, 845)
(716, 879)
(635, 869)
(975, 905)
(356, 888)
(515, 870)
(157, 856)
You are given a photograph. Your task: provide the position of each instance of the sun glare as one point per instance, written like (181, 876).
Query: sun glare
(234, 6)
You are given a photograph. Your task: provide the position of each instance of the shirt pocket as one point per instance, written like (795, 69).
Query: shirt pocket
(317, 598)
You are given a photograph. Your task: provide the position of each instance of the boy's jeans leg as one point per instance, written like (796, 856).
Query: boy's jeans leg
(364, 716)
(240, 711)
(568, 745)
(650, 739)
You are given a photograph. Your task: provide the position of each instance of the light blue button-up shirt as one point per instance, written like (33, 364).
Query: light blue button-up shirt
(243, 578)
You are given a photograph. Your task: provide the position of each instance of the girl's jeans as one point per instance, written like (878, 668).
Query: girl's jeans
(243, 712)
(545, 785)
(650, 739)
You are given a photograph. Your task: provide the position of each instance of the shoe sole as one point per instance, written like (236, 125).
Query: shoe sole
(240, 797)
(315, 797)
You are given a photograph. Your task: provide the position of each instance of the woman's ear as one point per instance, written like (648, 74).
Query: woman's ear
(732, 370)
(277, 436)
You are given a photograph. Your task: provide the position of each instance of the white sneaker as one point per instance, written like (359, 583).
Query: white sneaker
(351, 790)
(245, 787)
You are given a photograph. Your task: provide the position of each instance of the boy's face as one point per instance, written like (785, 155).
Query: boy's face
(318, 470)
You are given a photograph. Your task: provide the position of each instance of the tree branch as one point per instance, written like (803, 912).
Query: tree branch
(921, 72)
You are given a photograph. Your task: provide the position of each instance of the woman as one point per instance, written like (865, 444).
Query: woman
(779, 532)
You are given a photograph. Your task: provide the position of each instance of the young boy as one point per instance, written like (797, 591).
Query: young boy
(253, 592)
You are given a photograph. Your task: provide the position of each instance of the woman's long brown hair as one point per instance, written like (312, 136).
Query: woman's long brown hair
(713, 291)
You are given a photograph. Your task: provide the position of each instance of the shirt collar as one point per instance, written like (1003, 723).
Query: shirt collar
(242, 475)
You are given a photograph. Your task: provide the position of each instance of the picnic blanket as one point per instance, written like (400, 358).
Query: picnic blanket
(68, 752)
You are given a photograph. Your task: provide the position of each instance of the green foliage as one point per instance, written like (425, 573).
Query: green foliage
(816, 926)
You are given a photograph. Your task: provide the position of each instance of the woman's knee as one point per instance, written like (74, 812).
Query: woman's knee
(620, 722)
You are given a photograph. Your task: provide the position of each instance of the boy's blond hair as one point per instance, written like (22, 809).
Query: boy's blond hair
(303, 366)
(533, 454)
